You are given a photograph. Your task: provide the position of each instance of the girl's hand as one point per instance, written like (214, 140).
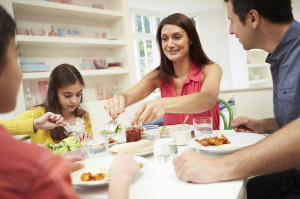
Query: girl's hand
(49, 121)
(84, 136)
(115, 106)
(149, 111)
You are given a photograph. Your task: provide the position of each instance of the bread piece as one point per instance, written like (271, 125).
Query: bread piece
(141, 146)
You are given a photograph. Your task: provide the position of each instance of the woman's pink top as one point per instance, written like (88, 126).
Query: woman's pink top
(192, 84)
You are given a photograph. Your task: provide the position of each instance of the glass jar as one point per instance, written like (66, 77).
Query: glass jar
(30, 99)
(133, 134)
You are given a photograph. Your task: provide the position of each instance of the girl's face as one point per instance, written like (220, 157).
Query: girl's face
(175, 43)
(69, 97)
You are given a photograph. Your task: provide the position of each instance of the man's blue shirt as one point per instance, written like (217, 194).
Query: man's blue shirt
(285, 69)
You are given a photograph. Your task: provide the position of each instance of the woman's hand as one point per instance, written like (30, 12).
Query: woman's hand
(115, 106)
(49, 121)
(149, 111)
(84, 136)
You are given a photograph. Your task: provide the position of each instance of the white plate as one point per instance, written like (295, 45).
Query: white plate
(143, 154)
(238, 141)
(105, 162)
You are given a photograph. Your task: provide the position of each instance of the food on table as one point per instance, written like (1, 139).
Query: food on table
(68, 144)
(213, 141)
(141, 146)
(111, 140)
(133, 133)
(141, 164)
(164, 130)
(107, 133)
(89, 173)
(90, 177)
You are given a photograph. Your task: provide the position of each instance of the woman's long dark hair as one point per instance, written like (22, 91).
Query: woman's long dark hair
(196, 52)
(62, 75)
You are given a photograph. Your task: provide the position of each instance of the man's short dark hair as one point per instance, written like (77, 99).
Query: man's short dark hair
(275, 11)
(7, 31)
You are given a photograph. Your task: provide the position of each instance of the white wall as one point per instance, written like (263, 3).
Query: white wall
(214, 39)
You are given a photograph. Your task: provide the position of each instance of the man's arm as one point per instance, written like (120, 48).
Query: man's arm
(278, 152)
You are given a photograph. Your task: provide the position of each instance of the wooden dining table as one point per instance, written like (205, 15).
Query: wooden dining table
(158, 180)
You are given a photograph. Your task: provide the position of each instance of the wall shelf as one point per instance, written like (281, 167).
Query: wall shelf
(43, 8)
(69, 42)
(84, 73)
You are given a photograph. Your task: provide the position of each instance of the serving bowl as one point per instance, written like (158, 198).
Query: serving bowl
(37, 31)
(22, 31)
(98, 5)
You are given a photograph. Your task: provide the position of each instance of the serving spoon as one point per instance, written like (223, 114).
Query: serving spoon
(111, 125)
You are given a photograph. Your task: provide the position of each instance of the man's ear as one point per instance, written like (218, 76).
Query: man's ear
(254, 18)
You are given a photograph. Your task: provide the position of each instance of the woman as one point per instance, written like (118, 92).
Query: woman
(189, 81)
(60, 116)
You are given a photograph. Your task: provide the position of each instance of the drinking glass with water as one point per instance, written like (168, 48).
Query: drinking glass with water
(202, 126)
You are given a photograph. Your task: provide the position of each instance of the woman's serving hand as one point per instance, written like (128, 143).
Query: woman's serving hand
(149, 111)
(48, 121)
(115, 106)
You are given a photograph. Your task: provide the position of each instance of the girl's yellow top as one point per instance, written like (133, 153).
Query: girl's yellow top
(23, 125)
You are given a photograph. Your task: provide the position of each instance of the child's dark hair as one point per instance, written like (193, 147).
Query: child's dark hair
(7, 31)
(62, 75)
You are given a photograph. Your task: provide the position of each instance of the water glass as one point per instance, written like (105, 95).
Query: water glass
(202, 126)
(151, 132)
(165, 149)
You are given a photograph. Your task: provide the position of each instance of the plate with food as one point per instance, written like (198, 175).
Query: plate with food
(222, 142)
(96, 171)
(139, 148)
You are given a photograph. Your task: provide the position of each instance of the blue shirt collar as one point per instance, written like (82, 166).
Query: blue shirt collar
(284, 45)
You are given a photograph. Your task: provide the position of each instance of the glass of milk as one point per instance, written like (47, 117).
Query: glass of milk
(202, 126)
(181, 133)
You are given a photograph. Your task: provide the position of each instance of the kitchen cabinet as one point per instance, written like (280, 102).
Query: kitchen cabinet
(259, 73)
(114, 20)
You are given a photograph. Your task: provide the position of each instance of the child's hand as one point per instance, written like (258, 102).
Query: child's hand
(84, 136)
(49, 121)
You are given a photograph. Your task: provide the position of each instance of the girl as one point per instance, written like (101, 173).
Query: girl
(60, 116)
(189, 81)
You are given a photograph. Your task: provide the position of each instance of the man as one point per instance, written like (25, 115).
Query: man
(267, 25)
(30, 171)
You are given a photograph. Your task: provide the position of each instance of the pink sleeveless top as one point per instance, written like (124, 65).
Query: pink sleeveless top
(192, 84)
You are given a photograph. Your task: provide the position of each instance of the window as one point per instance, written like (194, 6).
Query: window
(144, 28)
(146, 49)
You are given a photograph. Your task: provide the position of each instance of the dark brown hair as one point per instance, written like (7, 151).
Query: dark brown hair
(62, 75)
(7, 31)
(278, 11)
(199, 58)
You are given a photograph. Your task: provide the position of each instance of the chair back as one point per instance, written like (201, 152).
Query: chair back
(227, 126)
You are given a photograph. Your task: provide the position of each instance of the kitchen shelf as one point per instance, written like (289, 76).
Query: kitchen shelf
(42, 41)
(258, 81)
(257, 65)
(42, 8)
(114, 20)
(84, 73)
